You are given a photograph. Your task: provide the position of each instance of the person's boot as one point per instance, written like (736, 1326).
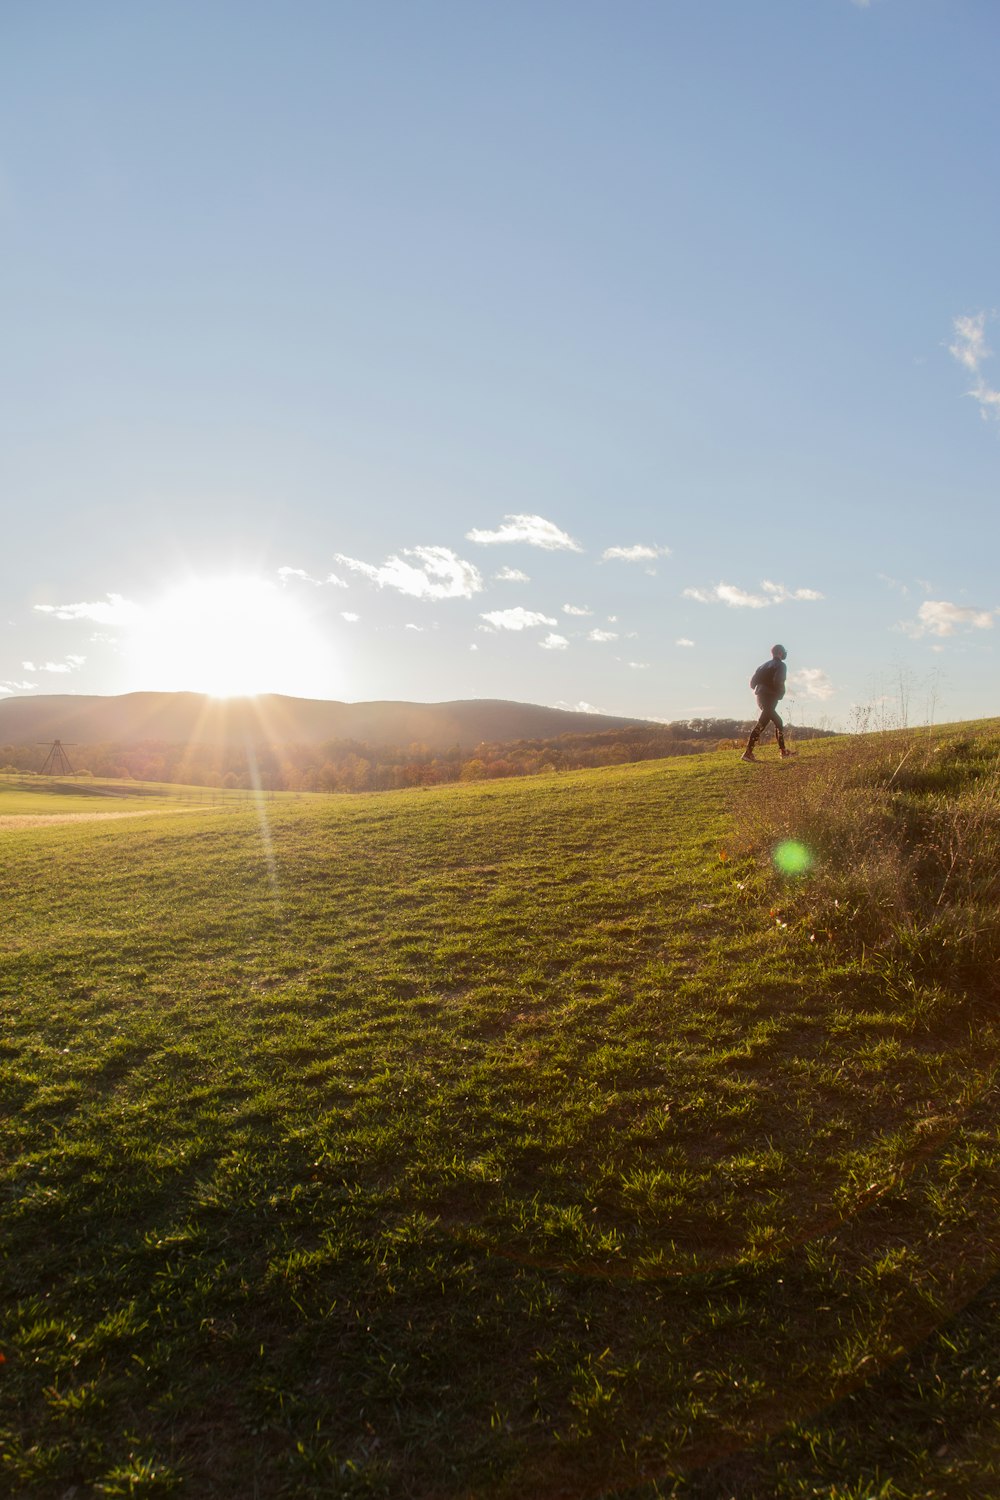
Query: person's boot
(748, 752)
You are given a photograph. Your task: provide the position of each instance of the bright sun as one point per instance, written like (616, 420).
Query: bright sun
(231, 637)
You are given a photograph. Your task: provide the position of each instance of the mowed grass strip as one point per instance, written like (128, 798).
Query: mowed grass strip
(487, 1140)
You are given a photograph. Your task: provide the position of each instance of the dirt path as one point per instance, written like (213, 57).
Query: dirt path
(41, 820)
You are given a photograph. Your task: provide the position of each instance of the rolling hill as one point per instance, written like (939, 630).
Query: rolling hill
(182, 718)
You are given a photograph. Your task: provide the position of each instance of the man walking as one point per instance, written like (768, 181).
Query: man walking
(768, 682)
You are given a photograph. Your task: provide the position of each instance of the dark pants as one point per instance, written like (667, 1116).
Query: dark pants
(768, 715)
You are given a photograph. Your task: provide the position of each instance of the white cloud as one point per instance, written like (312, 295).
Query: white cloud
(576, 609)
(988, 398)
(971, 350)
(553, 642)
(602, 635)
(512, 575)
(516, 619)
(534, 530)
(938, 617)
(418, 628)
(811, 682)
(287, 574)
(638, 666)
(727, 593)
(780, 595)
(441, 575)
(349, 616)
(579, 708)
(115, 611)
(69, 665)
(338, 582)
(683, 641)
(737, 598)
(638, 553)
(18, 687)
(970, 347)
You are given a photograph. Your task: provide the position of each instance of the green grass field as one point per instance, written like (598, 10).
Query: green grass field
(60, 797)
(504, 1140)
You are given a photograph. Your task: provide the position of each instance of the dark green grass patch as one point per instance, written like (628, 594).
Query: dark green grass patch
(480, 1141)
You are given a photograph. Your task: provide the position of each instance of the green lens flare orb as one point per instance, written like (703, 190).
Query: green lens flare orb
(792, 858)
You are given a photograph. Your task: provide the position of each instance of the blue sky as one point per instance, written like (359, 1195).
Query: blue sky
(558, 351)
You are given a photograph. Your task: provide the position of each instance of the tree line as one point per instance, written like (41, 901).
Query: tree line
(347, 765)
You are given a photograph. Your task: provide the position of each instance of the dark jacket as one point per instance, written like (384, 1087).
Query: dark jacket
(769, 680)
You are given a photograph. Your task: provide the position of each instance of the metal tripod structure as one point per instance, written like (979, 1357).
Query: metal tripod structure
(57, 761)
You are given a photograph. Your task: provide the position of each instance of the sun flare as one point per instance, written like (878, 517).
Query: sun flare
(232, 636)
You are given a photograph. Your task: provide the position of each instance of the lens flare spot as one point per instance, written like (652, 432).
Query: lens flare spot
(793, 858)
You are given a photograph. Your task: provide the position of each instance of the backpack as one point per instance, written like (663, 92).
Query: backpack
(767, 678)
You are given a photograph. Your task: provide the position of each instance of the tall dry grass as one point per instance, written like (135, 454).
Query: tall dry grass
(903, 831)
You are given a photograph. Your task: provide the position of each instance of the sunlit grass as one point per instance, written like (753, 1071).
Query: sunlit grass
(493, 1140)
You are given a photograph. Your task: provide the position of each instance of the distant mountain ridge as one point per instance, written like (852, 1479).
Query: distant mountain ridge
(273, 718)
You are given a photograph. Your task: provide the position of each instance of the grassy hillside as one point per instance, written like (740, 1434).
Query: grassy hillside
(520, 1138)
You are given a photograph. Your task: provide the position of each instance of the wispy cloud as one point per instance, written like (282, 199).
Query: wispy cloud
(511, 575)
(971, 350)
(349, 616)
(441, 574)
(516, 619)
(112, 610)
(970, 347)
(553, 642)
(534, 530)
(727, 593)
(71, 664)
(939, 617)
(780, 595)
(638, 553)
(811, 682)
(579, 708)
(737, 598)
(602, 635)
(683, 641)
(576, 609)
(288, 574)
(18, 687)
